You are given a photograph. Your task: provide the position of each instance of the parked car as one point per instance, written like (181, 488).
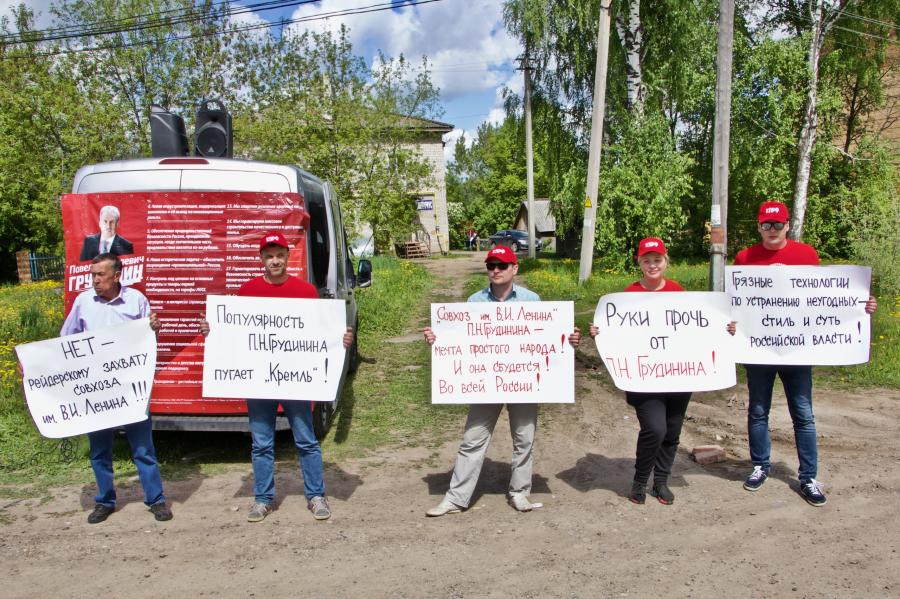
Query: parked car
(513, 238)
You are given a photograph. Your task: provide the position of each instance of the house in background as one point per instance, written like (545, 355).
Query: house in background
(431, 199)
(544, 223)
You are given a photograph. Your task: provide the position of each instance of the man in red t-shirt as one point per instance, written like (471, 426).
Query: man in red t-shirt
(777, 249)
(276, 282)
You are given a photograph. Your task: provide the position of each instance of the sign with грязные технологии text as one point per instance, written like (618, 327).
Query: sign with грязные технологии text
(800, 315)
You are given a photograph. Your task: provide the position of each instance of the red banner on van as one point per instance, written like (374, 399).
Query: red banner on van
(177, 247)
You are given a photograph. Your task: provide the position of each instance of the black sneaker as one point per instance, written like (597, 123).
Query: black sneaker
(638, 493)
(811, 491)
(756, 478)
(101, 512)
(663, 494)
(161, 512)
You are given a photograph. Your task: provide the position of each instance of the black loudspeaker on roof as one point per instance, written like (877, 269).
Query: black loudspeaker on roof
(167, 134)
(212, 131)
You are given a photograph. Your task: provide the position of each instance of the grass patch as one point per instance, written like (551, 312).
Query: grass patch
(29, 313)
(398, 288)
(389, 400)
(557, 279)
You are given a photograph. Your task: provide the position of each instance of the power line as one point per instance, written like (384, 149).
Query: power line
(309, 18)
(869, 20)
(866, 34)
(144, 21)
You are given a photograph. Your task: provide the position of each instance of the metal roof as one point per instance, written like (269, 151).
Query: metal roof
(544, 221)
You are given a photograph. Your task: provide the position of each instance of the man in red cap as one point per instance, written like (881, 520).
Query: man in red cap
(777, 249)
(276, 282)
(502, 267)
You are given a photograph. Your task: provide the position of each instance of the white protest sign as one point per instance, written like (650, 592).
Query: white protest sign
(666, 342)
(502, 352)
(273, 348)
(90, 381)
(801, 315)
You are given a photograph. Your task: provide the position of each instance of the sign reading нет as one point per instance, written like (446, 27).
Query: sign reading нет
(502, 352)
(90, 381)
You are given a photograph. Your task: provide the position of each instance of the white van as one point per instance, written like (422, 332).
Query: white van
(138, 186)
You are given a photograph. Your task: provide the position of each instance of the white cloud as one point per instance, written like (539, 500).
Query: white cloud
(466, 43)
(250, 19)
(450, 142)
(41, 9)
(514, 83)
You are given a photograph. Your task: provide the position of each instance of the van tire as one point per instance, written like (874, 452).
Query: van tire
(322, 415)
(353, 354)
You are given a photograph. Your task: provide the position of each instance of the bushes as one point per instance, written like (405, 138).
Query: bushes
(644, 183)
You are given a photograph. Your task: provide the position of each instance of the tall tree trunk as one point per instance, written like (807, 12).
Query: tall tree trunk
(852, 116)
(630, 34)
(821, 23)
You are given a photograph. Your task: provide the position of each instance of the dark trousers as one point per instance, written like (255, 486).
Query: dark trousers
(661, 416)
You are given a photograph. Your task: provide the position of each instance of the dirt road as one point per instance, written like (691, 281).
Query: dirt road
(588, 541)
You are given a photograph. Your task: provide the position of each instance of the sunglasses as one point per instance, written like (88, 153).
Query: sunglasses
(496, 266)
(772, 225)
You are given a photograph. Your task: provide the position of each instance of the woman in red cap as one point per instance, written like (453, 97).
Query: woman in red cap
(659, 414)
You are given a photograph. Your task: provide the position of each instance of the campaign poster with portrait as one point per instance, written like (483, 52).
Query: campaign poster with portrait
(176, 248)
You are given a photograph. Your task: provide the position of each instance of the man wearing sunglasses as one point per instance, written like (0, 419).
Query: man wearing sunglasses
(776, 249)
(502, 266)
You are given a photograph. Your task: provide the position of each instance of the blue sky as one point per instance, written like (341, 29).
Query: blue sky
(472, 56)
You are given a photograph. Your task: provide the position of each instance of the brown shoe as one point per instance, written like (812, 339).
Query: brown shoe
(161, 512)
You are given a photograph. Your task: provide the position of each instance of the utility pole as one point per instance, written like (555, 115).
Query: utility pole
(529, 154)
(718, 239)
(593, 174)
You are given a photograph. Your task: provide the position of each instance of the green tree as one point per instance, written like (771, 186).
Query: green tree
(325, 110)
(643, 184)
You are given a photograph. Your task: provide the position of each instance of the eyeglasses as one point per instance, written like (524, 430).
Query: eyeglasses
(496, 266)
(772, 225)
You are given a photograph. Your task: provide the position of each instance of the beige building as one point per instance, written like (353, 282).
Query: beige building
(431, 198)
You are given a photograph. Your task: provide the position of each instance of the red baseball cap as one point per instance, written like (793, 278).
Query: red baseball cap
(501, 253)
(773, 211)
(651, 244)
(273, 238)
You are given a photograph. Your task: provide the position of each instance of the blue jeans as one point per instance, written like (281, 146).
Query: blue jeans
(143, 454)
(262, 429)
(797, 382)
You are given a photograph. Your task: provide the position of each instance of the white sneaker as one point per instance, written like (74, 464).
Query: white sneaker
(318, 505)
(522, 504)
(258, 512)
(444, 507)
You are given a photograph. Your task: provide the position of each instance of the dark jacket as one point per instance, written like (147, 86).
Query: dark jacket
(91, 247)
